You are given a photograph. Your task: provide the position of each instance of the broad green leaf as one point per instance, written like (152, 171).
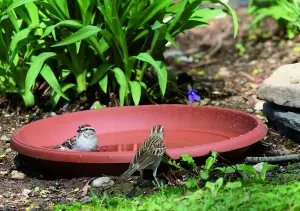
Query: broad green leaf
(136, 91)
(100, 72)
(69, 23)
(206, 14)
(103, 83)
(33, 12)
(160, 69)
(266, 167)
(28, 98)
(81, 34)
(49, 76)
(35, 68)
(19, 40)
(170, 39)
(54, 98)
(138, 20)
(61, 7)
(180, 8)
(121, 79)
(16, 4)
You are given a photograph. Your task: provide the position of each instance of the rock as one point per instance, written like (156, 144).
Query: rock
(259, 105)
(17, 175)
(102, 182)
(53, 114)
(8, 150)
(85, 200)
(4, 138)
(250, 110)
(258, 167)
(25, 192)
(2, 173)
(224, 72)
(284, 119)
(278, 89)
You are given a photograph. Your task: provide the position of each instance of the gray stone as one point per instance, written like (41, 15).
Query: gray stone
(284, 119)
(279, 89)
(4, 138)
(102, 182)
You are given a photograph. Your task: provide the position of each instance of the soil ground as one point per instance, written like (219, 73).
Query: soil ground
(224, 76)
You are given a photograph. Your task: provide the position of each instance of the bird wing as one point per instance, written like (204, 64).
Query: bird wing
(69, 144)
(149, 152)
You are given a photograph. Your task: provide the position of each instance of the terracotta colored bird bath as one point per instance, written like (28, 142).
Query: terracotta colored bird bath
(194, 130)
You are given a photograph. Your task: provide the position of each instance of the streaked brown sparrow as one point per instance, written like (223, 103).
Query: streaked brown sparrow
(148, 155)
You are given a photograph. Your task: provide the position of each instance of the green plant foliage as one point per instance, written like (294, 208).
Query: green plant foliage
(285, 12)
(113, 41)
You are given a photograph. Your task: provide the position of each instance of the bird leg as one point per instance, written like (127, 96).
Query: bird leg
(154, 175)
(141, 174)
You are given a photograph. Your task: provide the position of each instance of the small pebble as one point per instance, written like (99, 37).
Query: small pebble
(294, 81)
(259, 105)
(250, 110)
(102, 182)
(53, 114)
(17, 175)
(8, 150)
(85, 200)
(4, 138)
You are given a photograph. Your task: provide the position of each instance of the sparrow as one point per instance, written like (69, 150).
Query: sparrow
(85, 140)
(148, 155)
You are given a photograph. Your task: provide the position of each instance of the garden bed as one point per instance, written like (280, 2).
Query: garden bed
(228, 78)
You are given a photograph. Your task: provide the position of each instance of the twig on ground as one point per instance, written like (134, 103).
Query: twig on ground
(273, 158)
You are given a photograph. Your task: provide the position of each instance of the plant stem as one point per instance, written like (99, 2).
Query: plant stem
(81, 81)
(272, 158)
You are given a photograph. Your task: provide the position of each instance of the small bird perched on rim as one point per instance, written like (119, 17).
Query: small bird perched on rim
(148, 155)
(85, 140)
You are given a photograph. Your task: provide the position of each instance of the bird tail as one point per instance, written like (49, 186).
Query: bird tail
(127, 173)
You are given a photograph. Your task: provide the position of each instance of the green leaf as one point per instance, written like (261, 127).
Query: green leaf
(103, 83)
(234, 17)
(69, 23)
(211, 160)
(121, 79)
(81, 34)
(15, 4)
(188, 159)
(266, 167)
(100, 72)
(233, 185)
(248, 169)
(139, 19)
(170, 39)
(49, 76)
(214, 187)
(191, 182)
(33, 12)
(160, 69)
(136, 91)
(28, 98)
(35, 68)
(54, 98)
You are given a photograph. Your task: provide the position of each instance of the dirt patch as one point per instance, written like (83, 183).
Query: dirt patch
(224, 76)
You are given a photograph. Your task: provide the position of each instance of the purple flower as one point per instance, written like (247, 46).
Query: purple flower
(193, 97)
